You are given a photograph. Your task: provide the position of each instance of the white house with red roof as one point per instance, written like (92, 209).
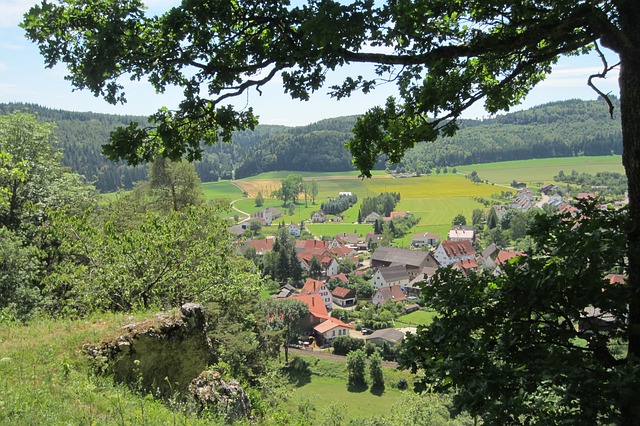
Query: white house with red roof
(327, 331)
(384, 294)
(294, 229)
(450, 252)
(344, 296)
(312, 286)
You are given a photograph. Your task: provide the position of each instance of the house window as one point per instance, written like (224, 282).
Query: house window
(333, 333)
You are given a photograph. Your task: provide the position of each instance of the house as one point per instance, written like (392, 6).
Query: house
(317, 311)
(390, 276)
(286, 290)
(388, 335)
(348, 238)
(462, 233)
(413, 260)
(261, 246)
(268, 215)
(425, 239)
(413, 289)
(318, 216)
(450, 252)
(345, 194)
(294, 229)
(327, 261)
(467, 266)
(312, 287)
(344, 297)
(372, 217)
(328, 330)
(384, 294)
(341, 276)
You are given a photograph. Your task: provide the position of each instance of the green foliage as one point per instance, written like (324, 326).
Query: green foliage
(339, 204)
(460, 219)
(383, 204)
(343, 345)
(604, 184)
(534, 358)
(282, 263)
(285, 315)
(259, 199)
(113, 263)
(291, 186)
(356, 365)
(174, 185)
(375, 371)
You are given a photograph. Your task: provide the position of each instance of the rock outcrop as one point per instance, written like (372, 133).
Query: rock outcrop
(226, 398)
(161, 355)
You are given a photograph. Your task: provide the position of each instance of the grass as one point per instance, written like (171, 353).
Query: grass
(327, 386)
(415, 318)
(542, 170)
(45, 379)
(221, 190)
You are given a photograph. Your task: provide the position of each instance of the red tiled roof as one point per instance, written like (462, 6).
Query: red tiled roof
(458, 248)
(311, 286)
(315, 304)
(262, 246)
(504, 256)
(330, 324)
(341, 275)
(342, 293)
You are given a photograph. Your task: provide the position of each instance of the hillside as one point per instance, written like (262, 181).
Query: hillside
(559, 129)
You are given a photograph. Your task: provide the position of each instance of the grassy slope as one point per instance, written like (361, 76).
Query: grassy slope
(543, 170)
(327, 386)
(45, 379)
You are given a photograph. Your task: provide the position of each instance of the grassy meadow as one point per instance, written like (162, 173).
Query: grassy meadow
(434, 199)
(538, 172)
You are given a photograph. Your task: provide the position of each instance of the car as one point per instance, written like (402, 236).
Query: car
(366, 331)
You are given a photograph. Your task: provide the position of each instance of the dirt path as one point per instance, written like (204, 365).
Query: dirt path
(332, 357)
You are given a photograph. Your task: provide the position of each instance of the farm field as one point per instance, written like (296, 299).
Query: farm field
(434, 199)
(542, 170)
(221, 189)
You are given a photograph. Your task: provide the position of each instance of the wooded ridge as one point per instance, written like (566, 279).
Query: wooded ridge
(558, 129)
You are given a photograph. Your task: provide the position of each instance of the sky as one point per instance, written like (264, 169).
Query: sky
(24, 78)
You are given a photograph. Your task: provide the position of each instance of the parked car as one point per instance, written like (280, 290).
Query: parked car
(366, 331)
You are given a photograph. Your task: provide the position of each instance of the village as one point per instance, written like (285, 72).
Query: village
(356, 287)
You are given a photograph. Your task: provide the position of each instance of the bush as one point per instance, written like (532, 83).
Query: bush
(343, 345)
(402, 384)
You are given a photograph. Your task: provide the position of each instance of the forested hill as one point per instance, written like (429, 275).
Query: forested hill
(558, 129)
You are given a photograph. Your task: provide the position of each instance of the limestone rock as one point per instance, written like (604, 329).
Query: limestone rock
(161, 355)
(227, 398)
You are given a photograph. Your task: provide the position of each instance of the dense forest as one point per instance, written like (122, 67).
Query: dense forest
(558, 129)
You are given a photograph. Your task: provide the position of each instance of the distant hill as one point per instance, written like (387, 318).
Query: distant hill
(558, 129)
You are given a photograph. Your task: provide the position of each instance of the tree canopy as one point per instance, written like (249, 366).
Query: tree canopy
(443, 56)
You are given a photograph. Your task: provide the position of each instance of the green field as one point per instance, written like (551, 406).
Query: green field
(415, 318)
(327, 386)
(543, 170)
(221, 189)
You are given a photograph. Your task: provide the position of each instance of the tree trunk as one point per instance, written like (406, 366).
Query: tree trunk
(630, 114)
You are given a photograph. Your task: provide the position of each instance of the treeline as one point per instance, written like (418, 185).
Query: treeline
(559, 129)
(339, 204)
(382, 204)
(606, 184)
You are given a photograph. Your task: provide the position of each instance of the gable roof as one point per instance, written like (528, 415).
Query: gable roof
(261, 246)
(458, 248)
(340, 276)
(394, 293)
(390, 335)
(400, 256)
(315, 304)
(394, 273)
(343, 293)
(504, 256)
(311, 286)
(349, 238)
(330, 324)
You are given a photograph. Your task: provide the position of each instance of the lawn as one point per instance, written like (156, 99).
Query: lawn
(221, 189)
(327, 386)
(415, 318)
(542, 170)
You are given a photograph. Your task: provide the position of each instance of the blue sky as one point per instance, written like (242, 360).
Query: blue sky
(23, 78)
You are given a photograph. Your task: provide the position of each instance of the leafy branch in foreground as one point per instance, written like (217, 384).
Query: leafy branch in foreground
(540, 343)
